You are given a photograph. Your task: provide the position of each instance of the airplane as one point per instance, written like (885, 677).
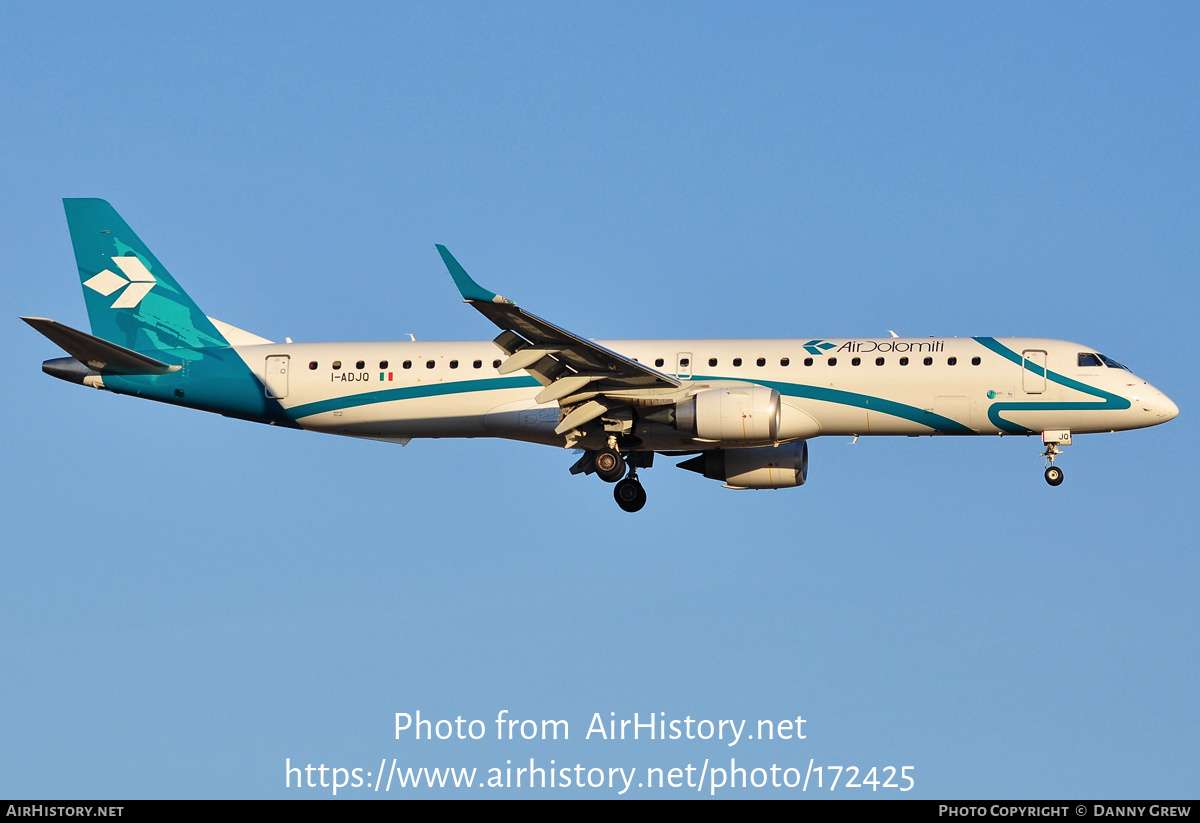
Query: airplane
(741, 411)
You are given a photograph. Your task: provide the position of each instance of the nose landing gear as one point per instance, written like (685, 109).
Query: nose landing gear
(1054, 439)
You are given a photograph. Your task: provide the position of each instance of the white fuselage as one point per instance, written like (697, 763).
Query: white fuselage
(864, 386)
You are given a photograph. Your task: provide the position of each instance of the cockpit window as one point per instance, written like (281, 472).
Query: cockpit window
(1112, 364)
(1087, 359)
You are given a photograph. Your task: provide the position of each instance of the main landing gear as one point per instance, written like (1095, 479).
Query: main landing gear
(611, 466)
(629, 494)
(1054, 439)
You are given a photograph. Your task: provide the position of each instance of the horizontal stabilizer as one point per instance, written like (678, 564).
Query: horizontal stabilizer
(101, 355)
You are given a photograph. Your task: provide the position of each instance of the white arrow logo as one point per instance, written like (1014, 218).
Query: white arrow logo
(137, 286)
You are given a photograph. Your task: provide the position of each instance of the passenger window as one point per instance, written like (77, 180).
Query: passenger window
(951, 361)
(658, 361)
(429, 364)
(833, 361)
(928, 361)
(903, 361)
(737, 361)
(361, 364)
(495, 364)
(1088, 360)
(783, 361)
(808, 361)
(762, 361)
(337, 364)
(454, 364)
(878, 361)
(313, 365)
(407, 364)
(383, 364)
(857, 361)
(712, 361)
(685, 362)
(478, 364)
(975, 361)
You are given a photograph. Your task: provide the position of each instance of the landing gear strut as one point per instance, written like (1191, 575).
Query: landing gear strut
(1054, 475)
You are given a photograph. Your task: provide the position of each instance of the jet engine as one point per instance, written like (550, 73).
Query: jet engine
(740, 414)
(770, 467)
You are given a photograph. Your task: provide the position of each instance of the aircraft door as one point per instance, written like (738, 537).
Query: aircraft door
(683, 365)
(276, 376)
(1033, 371)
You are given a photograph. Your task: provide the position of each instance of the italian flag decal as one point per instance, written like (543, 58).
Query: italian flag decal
(385, 376)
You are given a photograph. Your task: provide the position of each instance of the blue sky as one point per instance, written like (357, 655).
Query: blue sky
(190, 601)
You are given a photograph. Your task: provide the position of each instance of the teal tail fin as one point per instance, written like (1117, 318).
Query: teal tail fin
(132, 300)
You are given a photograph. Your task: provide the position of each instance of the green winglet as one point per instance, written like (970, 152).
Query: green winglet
(469, 289)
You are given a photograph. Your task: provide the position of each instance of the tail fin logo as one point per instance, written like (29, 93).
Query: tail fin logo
(137, 282)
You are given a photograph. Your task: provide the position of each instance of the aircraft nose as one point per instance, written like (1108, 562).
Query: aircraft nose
(1161, 406)
(1169, 410)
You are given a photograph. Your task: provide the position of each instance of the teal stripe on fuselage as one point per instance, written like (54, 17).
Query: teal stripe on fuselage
(844, 398)
(1111, 402)
(430, 390)
(937, 422)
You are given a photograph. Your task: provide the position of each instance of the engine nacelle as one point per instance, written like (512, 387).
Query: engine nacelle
(740, 414)
(771, 467)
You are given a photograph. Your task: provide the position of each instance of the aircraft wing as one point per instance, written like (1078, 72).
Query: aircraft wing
(577, 373)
